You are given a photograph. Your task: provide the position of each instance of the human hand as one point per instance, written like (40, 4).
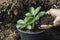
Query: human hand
(54, 13)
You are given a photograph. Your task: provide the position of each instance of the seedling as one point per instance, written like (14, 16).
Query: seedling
(31, 17)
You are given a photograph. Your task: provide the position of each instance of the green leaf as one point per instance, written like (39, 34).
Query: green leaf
(21, 21)
(23, 26)
(28, 19)
(40, 15)
(28, 14)
(32, 10)
(37, 10)
(19, 26)
(29, 27)
(36, 18)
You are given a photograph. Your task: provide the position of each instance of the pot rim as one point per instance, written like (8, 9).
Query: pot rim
(31, 32)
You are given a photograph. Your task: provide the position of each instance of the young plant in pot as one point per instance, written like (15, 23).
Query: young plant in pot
(28, 27)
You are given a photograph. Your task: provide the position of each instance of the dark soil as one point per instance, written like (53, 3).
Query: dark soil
(46, 20)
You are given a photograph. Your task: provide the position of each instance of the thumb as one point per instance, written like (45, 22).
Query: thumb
(45, 26)
(56, 21)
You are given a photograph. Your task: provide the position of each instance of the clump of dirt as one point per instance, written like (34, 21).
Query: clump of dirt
(46, 20)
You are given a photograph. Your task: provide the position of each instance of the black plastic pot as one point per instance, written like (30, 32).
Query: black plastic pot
(32, 35)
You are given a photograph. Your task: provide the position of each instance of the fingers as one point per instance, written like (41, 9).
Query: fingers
(45, 26)
(56, 21)
(53, 12)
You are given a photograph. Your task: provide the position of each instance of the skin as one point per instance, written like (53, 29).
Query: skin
(54, 13)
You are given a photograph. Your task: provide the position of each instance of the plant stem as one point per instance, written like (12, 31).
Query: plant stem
(33, 25)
